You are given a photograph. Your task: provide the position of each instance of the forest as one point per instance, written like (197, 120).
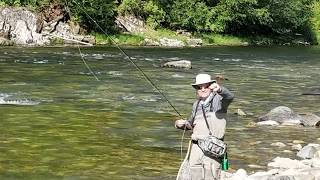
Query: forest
(278, 19)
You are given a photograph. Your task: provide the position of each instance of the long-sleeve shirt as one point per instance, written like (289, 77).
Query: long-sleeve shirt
(215, 113)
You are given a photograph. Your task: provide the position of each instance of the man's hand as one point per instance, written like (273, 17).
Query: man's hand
(215, 88)
(182, 124)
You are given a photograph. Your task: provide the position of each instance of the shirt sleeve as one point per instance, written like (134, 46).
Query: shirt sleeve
(227, 98)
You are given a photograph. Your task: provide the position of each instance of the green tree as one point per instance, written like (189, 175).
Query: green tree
(193, 15)
(149, 10)
(155, 15)
(132, 7)
(288, 16)
(89, 13)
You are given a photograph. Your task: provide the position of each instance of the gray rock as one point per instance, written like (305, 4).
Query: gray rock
(131, 23)
(313, 171)
(286, 163)
(240, 174)
(263, 175)
(293, 177)
(278, 144)
(22, 34)
(315, 162)
(307, 152)
(194, 42)
(268, 123)
(282, 114)
(312, 91)
(150, 42)
(241, 112)
(18, 102)
(178, 64)
(297, 141)
(310, 119)
(20, 25)
(89, 39)
(171, 42)
(183, 32)
(296, 147)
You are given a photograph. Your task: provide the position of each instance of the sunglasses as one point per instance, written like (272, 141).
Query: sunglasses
(206, 86)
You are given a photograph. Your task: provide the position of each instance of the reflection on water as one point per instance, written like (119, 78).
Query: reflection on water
(120, 127)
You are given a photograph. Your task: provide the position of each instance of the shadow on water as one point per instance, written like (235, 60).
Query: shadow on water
(120, 128)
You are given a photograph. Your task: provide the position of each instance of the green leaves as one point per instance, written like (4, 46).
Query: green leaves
(191, 15)
(101, 11)
(240, 17)
(155, 14)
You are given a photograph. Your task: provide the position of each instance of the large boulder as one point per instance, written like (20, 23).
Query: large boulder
(22, 27)
(131, 23)
(310, 151)
(282, 115)
(286, 163)
(21, 34)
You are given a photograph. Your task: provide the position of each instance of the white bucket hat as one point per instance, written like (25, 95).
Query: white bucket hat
(203, 79)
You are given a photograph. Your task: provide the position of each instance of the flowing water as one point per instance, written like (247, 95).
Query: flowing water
(121, 128)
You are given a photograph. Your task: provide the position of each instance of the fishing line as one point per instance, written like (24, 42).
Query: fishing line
(130, 59)
(139, 69)
(82, 56)
(85, 63)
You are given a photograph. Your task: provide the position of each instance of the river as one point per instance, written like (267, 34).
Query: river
(120, 128)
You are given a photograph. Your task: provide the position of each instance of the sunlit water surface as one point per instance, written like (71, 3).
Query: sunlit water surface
(120, 128)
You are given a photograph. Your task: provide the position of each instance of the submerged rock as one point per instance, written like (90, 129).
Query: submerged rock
(268, 123)
(18, 102)
(312, 91)
(240, 112)
(178, 64)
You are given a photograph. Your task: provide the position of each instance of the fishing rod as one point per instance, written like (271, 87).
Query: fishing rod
(130, 59)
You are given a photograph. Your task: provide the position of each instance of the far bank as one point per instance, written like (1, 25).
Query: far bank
(21, 27)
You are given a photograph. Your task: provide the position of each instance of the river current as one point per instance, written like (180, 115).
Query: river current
(121, 128)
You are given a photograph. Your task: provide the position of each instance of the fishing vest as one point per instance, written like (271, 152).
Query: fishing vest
(215, 118)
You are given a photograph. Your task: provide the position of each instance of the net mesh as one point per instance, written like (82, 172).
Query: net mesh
(184, 171)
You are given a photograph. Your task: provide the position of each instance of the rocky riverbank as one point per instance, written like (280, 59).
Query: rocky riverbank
(19, 26)
(306, 167)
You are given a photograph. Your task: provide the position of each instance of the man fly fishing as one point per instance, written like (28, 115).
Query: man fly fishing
(208, 123)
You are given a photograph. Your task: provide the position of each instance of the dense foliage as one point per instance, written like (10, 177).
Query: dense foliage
(84, 11)
(285, 18)
(96, 15)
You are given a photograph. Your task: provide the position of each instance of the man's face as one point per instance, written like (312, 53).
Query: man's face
(203, 90)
